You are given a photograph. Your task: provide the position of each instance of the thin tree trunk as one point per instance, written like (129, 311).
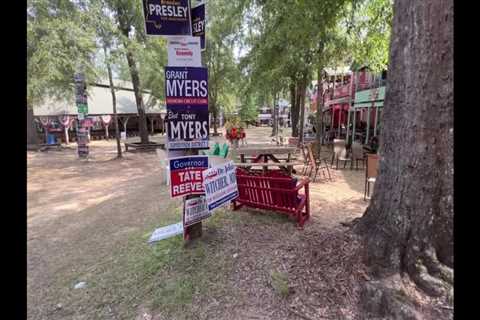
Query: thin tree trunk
(303, 88)
(215, 117)
(114, 102)
(292, 102)
(274, 116)
(319, 115)
(408, 226)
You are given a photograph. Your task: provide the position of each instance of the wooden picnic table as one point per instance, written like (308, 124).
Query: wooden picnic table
(262, 154)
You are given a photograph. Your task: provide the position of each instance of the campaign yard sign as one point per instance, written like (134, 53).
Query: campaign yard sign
(167, 17)
(184, 51)
(186, 175)
(195, 210)
(198, 23)
(220, 185)
(187, 107)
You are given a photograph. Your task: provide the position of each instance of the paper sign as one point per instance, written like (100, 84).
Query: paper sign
(186, 175)
(198, 24)
(167, 17)
(220, 185)
(184, 51)
(166, 232)
(123, 135)
(194, 211)
(187, 107)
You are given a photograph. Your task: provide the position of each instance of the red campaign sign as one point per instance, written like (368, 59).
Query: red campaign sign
(186, 175)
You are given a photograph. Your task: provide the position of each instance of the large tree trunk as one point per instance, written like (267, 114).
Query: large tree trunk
(32, 138)
(408, 226)
(294, 109)
(142, 119)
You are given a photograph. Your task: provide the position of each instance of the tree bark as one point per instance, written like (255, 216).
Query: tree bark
(303, 88)
(408, 226)
(275, 116)
(319, 114)
(294, 109)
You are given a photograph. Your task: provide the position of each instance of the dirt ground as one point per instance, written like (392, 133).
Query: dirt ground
(90, 220)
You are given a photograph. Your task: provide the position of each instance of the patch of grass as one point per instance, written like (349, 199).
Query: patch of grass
(280, 283)
(165, 277)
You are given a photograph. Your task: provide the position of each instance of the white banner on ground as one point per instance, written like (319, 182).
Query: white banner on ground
(184, 51)
(166, 232)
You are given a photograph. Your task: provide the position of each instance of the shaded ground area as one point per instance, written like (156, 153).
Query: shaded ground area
(90, 220)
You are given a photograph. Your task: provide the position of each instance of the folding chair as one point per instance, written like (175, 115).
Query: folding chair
(316, 164)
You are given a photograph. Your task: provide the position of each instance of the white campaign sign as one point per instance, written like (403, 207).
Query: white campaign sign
(220, 185)
(195, 211)
(184, 51)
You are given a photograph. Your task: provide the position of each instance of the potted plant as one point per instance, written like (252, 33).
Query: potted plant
(233, 131)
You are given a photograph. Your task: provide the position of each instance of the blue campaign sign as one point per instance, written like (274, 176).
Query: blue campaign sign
(167, 17)
(186, 92)
(198, 24)
(220, 184)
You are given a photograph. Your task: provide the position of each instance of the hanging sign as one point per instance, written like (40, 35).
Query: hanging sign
(184, 51)
(186, 175)
(167, 17)
(198, 24)
(220, 185)
(187, 107)
(106, 119)
(64, 120)
(195, 210)
(45, 121)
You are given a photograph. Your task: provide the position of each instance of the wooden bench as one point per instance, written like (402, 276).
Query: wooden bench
(274, 191)
(143, 147)
(46, 147)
